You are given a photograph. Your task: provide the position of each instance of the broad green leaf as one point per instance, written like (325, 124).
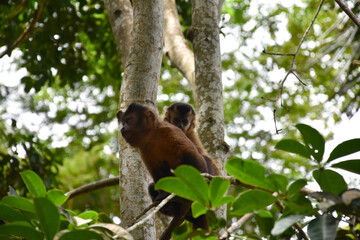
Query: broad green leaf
(249, 172)
(33, 183)
(296, 186)
(175, 185)
(20, 230)
(349, 165)
(284, 223)
(18, 202)
(330, 181)
(48, 215)
(279, 181)
(345, 148)
(265, 221)
(298, 204)
(217, 189)
(293, 146)
(193, 179)
(314, 140)
(89, 215)
(198, 209)
(9, 214)
(57, 197)
(81, 235)
(323, 227)
(252, 200)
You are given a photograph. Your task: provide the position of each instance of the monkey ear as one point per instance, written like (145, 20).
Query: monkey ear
(150, 115)
(166, 114)
(119, 115)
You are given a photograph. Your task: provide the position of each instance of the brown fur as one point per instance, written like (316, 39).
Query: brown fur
(183, 116)
(163, 147)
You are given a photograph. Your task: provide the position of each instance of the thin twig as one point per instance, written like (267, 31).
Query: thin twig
(150, 215)
(348, 12)
(236, 225)
(278, 54)
(154, 204)
(25, 34)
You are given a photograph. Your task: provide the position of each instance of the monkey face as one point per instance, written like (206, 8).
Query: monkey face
(182, 123)
(136, 122)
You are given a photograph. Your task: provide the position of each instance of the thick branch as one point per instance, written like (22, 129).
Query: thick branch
(27, 32)
(108, 182)
(348, 11)
(176, 47)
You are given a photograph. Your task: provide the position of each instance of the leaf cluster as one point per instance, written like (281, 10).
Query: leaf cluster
(41, 216)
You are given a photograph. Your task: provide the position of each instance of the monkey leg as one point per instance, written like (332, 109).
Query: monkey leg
(177, 220)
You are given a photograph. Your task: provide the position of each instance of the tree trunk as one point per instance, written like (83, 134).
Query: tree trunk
(140, 83)
(204, 33)
(120, 14)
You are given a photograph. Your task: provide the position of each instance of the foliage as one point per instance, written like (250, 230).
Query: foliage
(264, 190)
(40, 216)
(38, 157)
(271, 198)
(73, 81)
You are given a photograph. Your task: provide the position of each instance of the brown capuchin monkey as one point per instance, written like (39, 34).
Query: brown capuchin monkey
(183, 116)
(162, 147)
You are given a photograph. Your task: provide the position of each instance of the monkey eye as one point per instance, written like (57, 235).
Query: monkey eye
(177, 120)
(126, 120)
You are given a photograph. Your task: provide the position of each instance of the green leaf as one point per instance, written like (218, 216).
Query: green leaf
(296, 186)
(188, 184)
(249, 172)
(198, 209)
(345, 148)
(20, 230)
(193, 179)
(57, 197)
(323, 227)
(265, 221)
(349, 165)
(48, 215)
(217, 189)
(9, 214)
(175, 185)
(330, 181)
(298, 204)
(89, 215)
(293, 146)
(252, 200)
(34, 183)
(280, 181)
(284, 223)
(18, 202)
(81, 235)
(314, 141)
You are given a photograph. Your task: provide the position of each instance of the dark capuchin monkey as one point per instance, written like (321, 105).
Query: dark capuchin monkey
(183, 116)
(163, 147)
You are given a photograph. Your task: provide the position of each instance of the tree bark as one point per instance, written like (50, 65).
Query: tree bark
(204, 33)
(176, 47)
(140, 84)
(120, 14)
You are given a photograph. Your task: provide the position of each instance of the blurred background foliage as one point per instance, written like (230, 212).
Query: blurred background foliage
(59, 121)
